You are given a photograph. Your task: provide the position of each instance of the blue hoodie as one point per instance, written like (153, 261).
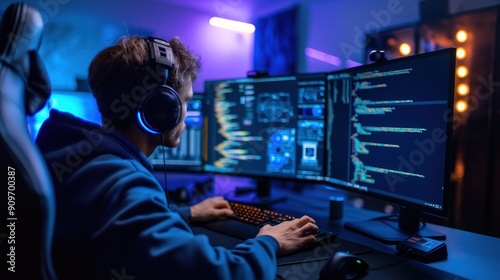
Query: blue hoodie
(113, 220)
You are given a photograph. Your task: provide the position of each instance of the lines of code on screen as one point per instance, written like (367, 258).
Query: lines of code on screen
(272, 126)
(388, 128)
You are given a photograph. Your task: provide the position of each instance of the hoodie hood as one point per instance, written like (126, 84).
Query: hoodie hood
(81, 142)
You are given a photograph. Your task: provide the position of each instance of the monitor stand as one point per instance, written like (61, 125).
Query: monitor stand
(257, 195)
(393, 229)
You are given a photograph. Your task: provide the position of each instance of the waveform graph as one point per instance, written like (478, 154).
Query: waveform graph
(233, 148)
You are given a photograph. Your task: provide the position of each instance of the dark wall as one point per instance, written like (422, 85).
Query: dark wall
(275, 48)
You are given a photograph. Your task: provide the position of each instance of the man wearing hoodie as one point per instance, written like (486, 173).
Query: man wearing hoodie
(113, 217)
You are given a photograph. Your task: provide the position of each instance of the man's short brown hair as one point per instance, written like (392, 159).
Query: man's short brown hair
(121, 76)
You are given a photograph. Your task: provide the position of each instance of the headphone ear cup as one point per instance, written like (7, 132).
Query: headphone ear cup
(161, 110)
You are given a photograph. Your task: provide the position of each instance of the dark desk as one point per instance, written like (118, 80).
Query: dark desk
(470, 255)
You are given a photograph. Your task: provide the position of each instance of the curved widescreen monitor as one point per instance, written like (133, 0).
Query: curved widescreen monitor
(266, 127)
(389, 136)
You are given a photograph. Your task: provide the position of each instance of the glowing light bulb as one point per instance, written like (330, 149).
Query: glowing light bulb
(462, 71)
(405, 49)
(463, 89)
(461, 106)
(461, 53)
(461, 36)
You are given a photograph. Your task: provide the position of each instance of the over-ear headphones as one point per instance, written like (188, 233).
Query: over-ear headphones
(161, 110)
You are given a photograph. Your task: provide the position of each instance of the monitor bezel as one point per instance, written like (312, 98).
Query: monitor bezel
(442, 212)
(268, 176)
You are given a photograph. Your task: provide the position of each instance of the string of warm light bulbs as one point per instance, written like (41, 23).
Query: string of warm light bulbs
(462, 72)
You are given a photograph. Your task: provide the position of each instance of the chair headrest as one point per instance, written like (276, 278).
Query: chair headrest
(21, 31)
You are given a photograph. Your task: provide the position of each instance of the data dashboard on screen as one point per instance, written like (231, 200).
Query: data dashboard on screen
(187, 155)
(389, 129)
(266, 126)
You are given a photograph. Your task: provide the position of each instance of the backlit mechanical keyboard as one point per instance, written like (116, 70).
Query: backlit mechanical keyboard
(257, 216)
(260, 217)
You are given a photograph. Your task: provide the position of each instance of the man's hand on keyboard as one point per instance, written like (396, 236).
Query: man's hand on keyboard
(210, 209)
(292, 235)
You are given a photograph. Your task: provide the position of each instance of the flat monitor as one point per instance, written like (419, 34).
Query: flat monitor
(389, 137)
(265, 128)
(186, 156)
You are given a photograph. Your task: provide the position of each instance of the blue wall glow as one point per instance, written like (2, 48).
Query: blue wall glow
(80, 104)
(322, 56)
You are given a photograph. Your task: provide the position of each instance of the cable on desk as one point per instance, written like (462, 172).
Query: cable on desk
(305, 261)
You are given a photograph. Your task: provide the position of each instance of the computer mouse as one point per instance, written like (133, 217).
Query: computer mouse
(342, 265)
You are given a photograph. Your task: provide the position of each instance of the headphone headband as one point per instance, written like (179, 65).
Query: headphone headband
(160, 52)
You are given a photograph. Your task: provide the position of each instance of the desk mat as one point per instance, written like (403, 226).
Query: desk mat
(323, 252)
(307, 264)
(233, 234)
(383, 266)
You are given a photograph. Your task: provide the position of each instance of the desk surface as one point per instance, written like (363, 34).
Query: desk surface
(470, 255)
